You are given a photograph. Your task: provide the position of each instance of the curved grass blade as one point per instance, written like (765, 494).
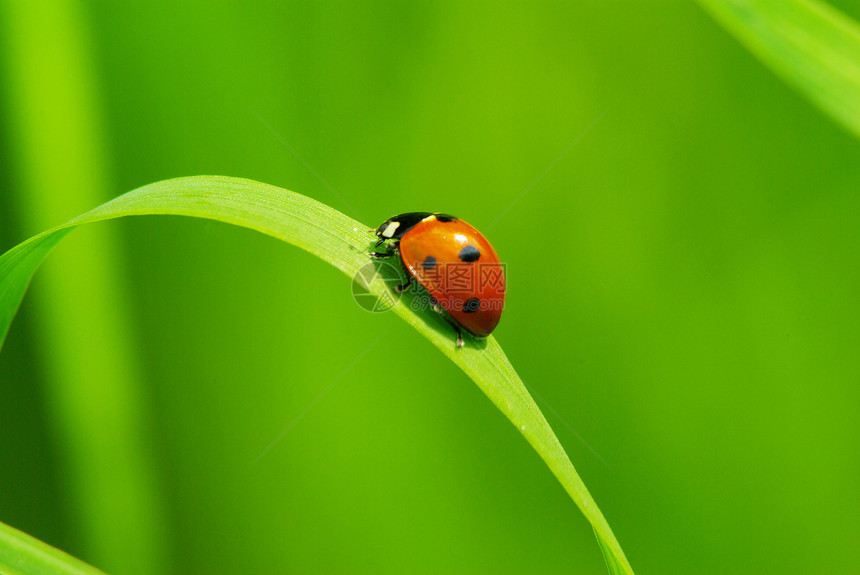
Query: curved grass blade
(344, 243)
(21, 554)
(810, 45)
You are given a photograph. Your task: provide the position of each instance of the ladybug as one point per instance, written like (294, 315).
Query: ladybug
(454, 263)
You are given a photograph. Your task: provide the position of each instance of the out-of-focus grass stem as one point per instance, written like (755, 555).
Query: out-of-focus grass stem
(93, 385)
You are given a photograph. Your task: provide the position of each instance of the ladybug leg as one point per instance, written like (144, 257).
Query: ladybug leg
(460, 343)
(438, 309)
(390, 250)
(381, 255)
(402, 288)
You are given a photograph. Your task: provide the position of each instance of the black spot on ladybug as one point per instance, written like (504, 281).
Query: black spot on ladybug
(429, 263)
(471, 305)
(445, 218)
(469, 254)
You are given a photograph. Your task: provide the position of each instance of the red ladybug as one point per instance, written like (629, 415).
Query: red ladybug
(454, 262)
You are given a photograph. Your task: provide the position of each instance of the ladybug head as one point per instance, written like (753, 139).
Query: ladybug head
(394, 228)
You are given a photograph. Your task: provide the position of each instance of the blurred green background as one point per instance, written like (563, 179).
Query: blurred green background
(682, 287)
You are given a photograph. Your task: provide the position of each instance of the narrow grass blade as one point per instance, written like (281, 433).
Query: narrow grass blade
(812, 46)
(53, 121)
(21, 554)
(344, 243)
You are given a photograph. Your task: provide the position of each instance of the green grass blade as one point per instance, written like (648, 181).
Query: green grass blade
(91, 384)
(21, 554)
(812, 46)
(344, 243)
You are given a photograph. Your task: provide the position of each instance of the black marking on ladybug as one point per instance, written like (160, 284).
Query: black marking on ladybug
(394, 228)
(445, 218)
(469, 254)
(429, 263)
(472, 304)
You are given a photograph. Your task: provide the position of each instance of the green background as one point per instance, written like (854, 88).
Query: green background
(682, 290)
